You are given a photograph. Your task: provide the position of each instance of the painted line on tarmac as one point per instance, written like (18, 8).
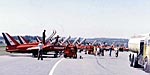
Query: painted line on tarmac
(52, 70)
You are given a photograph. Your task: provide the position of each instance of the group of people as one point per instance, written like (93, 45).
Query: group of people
(116, 49)
(100, 51)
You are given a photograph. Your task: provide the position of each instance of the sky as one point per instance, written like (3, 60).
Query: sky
(77, 18)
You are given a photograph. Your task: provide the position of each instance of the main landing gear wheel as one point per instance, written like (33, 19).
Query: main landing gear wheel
(65, 55)
(34, 54)
(146, 67)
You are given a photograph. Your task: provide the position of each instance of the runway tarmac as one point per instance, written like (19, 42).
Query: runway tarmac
(24, 64)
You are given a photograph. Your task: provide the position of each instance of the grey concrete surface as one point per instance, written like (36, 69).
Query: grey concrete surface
(24, 64)
(98, 65)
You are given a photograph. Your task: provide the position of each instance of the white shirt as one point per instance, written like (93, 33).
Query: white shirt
(117, 48)
(97, 49)
(40, 45)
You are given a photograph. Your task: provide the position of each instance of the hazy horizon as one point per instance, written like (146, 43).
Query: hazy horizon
(83, 18)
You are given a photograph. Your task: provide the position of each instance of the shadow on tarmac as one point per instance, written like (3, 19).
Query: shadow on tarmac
(29, 55)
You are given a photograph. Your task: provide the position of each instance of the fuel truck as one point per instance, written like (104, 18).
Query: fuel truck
(140, 52)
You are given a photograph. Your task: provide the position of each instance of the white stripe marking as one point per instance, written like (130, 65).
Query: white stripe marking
(22, 40)
(9, 39)
(52, 71)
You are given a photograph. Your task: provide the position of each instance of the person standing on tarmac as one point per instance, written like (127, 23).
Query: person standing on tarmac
(132, 60)
(98, 50)
(95, 50)
(102, 50)
(40, 51)
(117, 51)
(130, 57)
(44, 37)
(110, 50)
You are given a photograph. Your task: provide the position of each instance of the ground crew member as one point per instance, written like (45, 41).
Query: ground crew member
(95, 50)
(40, 51)
(102, 50)
(132, 60)
(130, 57)
(117, 51)
(98, 50)
(110, 50)
(44, 37)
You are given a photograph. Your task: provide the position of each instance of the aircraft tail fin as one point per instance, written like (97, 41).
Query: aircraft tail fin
(82, 41)
(94, 42)
(51, 36)
(9, 40)
(38, 39)
(66, 39)
(75, 41)
(22, 40)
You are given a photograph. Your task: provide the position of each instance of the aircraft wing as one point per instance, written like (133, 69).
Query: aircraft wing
(36, 47)
(33, 48)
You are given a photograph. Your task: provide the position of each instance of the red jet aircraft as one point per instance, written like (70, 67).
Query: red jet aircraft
(14, 46)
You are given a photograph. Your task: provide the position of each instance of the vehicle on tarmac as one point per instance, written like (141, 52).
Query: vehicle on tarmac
(71, 49)
(140, 46)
